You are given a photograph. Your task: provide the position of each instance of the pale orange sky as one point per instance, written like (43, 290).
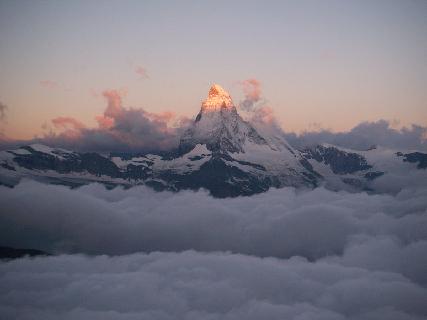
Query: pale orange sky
(321, 65)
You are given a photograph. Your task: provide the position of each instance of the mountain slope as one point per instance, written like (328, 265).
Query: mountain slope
(219, 126)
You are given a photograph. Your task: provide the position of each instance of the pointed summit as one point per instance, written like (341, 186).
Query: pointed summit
(217, 99)
(219, 126)
(217, 90)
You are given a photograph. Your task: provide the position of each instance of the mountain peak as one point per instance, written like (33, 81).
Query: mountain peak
(217, 90)
(217, 99)
(219, 126)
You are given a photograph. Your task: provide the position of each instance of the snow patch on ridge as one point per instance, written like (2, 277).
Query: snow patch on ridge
(188, 162)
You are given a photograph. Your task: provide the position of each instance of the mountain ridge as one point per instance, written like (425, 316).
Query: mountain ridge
(219, 152)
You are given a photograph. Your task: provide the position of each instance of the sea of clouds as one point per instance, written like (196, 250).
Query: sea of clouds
(284, 254)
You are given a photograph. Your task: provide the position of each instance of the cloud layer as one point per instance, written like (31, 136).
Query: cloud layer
(192, 285)
(365, 135)
(361, 137)
(120, 129)
(358, 229)
(282, 254)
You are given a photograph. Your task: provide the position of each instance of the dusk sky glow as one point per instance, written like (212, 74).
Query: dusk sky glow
(321, 64)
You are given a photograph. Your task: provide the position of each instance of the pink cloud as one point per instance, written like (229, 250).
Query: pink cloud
(104, 122)
(67, 123)
(49, 84)
(72, 128)
(252, 91)
(119, 128)
(264, 115)
(261, 113)
(142, 72)
(114, 107)
(166, 116)
(114, 99)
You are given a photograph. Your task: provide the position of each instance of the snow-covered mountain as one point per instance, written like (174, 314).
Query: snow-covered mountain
(219, 126)
(224, 154)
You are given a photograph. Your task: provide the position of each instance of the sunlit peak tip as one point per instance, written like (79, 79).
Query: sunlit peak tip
(217, 98)
(217, 90)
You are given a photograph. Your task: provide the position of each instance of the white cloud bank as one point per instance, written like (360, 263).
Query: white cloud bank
(335, 255)
(191, 285)
(365, 135)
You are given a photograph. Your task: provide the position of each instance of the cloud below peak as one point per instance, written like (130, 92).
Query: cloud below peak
(252, 93)
(120, 129)
(350, 267)
(365, 135)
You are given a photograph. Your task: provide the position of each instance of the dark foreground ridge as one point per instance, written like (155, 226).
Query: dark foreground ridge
(7, 253)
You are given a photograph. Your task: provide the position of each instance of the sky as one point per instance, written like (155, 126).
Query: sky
(321, 64)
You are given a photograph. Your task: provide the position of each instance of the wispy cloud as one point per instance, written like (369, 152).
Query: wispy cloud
(119, 128)
(142, 72)
(69, 127)
(49, 84)
(67, 122)
(258, 112)
(3, 112)
(52, 85)
(252, 91)
(365, 135)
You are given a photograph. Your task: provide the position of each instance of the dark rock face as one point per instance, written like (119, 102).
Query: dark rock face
(220, 179)
(97, 165)
(339, 161)
(68, 163)
(309, 167)
(7, 167)
(228, 132)
(134, 172)
(353, 182)
(43, 161)
(221, 174)
(12, 253)
(416, 157)
(217, 171)
(373, 175)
